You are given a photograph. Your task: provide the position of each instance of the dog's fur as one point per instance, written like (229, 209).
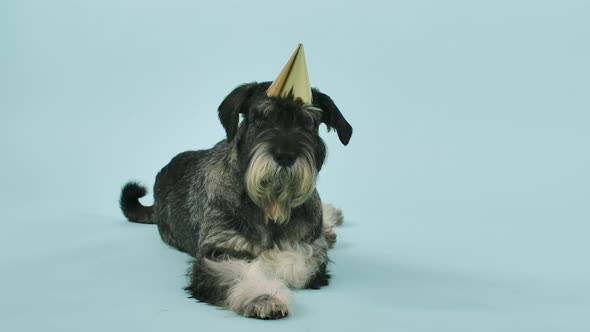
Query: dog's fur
(247, 210)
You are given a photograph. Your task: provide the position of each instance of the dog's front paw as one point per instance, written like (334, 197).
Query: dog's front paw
(320, 279)
(332, 216)
(265, 307)
(330, 236)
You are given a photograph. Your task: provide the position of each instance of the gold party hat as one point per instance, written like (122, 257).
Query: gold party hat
(293, 79)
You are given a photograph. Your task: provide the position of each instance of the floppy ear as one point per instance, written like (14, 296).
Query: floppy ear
(331, 116)
(235, 103)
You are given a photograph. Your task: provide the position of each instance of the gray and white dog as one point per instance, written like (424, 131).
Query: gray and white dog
(247, 210)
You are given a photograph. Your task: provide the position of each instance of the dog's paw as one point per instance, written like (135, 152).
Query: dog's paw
(332, 216)
(330, 236)
(266, 307)
(320, 280)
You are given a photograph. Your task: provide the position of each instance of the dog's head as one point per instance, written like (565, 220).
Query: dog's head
(278, 143)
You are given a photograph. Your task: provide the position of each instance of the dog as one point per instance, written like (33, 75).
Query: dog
(247, 209)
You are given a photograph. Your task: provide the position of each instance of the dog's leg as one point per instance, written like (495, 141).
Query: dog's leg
(320, 279)
(299, 266)
(242, 286)
(332, 216)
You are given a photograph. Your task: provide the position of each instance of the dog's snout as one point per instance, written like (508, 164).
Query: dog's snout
(285, 157)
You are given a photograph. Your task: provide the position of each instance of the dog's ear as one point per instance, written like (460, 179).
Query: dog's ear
(235, 103)
(331, 116)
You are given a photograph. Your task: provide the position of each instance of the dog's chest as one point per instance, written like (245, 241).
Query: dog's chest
(301, 227)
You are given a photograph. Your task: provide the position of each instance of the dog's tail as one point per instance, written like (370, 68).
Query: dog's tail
(132, 208)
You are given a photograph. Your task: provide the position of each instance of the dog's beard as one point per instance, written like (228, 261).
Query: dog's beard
(278, 189)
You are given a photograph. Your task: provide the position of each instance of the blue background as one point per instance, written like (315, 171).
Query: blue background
(465, 186)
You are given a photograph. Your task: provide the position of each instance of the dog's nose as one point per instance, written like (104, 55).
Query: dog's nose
(285, 158)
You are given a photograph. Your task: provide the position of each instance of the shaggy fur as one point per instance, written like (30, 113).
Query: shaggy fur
(247, 209)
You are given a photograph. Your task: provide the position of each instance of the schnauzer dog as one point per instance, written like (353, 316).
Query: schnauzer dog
(247, 209)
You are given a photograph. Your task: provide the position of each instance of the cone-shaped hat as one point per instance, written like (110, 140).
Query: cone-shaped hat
(293, 79)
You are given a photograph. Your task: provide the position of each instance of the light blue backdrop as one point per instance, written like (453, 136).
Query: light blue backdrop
(466, 185)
